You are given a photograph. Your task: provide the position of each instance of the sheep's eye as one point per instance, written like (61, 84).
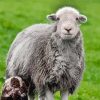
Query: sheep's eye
(58, 18)
(77, 18)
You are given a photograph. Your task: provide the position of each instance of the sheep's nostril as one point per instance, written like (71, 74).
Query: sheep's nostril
(68, 29)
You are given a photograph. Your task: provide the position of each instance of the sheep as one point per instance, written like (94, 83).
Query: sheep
(50, 56)
(14, 89)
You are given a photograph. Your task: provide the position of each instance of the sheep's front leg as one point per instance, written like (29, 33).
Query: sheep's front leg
(30, 97)
(49, 95)
(64, 95)
(41, 98)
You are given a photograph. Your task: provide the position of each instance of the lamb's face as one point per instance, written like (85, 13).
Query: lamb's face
(14, 89)
(68, 22)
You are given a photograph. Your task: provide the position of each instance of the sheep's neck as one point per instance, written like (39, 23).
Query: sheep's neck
(57, 42)
(64, 53)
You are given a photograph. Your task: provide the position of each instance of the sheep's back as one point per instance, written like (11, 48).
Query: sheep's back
(23, 47)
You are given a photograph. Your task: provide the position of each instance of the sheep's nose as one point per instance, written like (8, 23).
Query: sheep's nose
(68, 29)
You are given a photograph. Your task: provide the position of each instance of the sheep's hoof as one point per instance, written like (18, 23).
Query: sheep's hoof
(14, 89)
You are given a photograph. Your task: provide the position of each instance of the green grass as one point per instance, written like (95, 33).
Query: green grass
(18, 14)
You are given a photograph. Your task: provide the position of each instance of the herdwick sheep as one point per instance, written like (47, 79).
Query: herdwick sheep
(14, 89)
(49, 57)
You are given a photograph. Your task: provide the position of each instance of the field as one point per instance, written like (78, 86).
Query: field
(15, 15)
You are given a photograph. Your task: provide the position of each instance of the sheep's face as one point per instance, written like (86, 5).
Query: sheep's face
(68, 22)
(67, 27)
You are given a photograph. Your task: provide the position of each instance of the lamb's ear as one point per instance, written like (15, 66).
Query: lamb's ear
(82, 19)
(52, 17)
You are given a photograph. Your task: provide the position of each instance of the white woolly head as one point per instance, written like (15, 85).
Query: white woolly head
(66, 10)
(68, 21)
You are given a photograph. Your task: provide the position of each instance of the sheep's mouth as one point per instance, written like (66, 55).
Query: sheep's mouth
(67, 34)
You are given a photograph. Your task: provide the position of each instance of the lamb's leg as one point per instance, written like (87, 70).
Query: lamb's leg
(49, 95)
(64, 95)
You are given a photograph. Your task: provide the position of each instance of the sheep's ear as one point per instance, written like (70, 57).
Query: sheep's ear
(82, 19)
(52, 17)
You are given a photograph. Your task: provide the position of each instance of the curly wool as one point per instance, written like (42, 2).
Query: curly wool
(45, 60)
(49, 61)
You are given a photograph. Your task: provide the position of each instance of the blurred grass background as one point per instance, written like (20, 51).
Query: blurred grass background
(15, 15)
